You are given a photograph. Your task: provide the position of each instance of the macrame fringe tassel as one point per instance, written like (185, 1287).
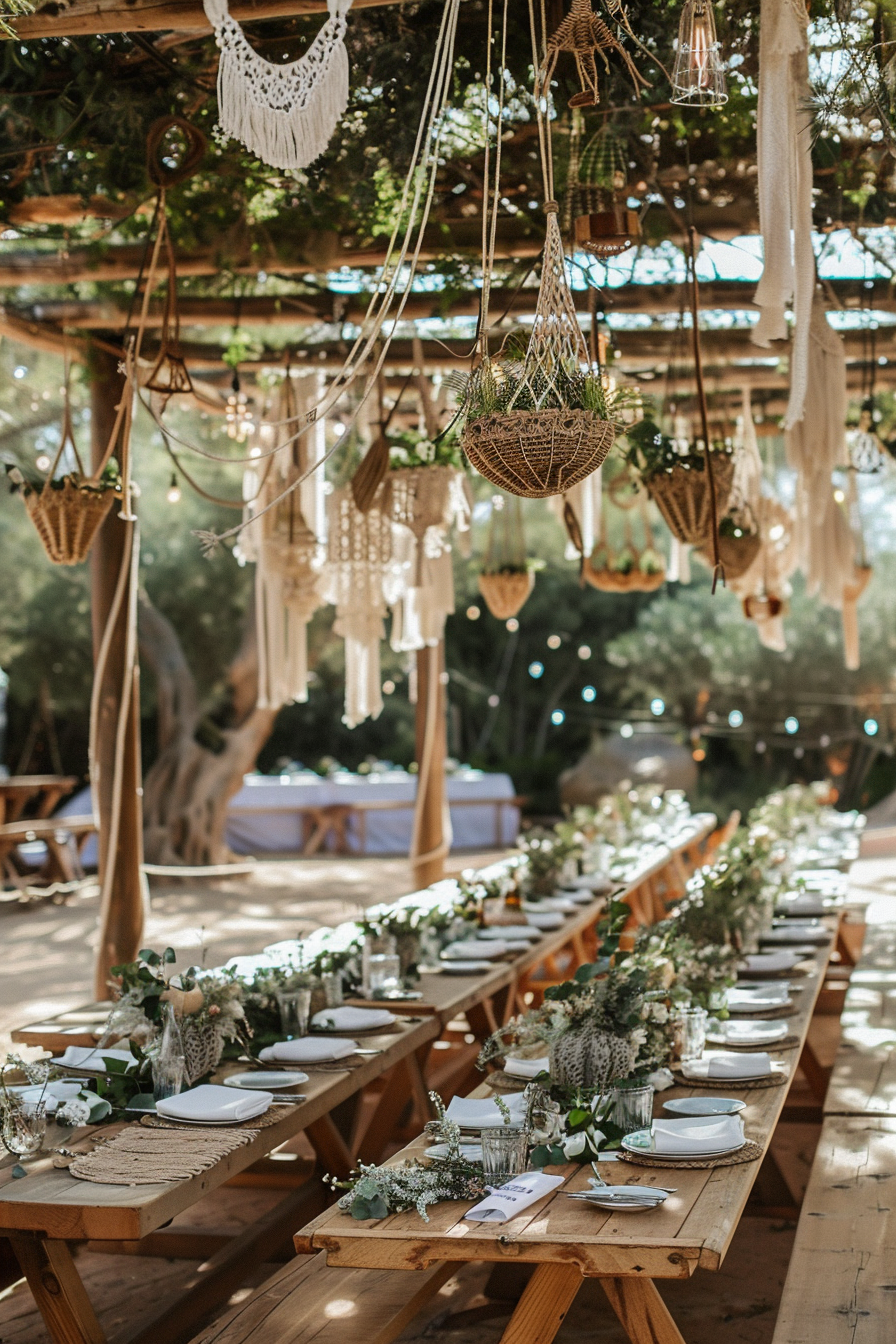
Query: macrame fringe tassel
(282, 645)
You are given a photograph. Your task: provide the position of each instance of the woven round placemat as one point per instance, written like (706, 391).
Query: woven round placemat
(763, 1013)
(139, 1156)
(335, 1065)
(501, 1081)
(269, 1117)
(739, 1084)
(785, 1043)
(750, 1152)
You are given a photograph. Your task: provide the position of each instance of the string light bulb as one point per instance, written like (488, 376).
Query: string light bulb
(698, 74)
(173, 493)
(238, 415)
(42, 462)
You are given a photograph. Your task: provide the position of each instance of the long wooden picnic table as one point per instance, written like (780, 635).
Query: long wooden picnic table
(49, 1212)
(567, 1242)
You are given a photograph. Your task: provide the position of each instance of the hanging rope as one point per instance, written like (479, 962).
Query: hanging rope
(718, 571)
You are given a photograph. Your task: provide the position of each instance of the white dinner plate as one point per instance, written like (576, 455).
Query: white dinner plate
(632, 1146)
(509, 933)
(266, 1082)
(704, 1106)
(748, 1033)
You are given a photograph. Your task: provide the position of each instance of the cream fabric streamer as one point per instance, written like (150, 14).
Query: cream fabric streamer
(816, 446)
(285, 114)
(784, 153)
(359, 553)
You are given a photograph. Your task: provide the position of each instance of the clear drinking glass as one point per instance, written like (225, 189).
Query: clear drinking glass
(383, 975)
(24, 1127)
(168, 1076)
(505, 1153)
(690, 1033)
(294, 1005)
(632, 1108)
(332, 983)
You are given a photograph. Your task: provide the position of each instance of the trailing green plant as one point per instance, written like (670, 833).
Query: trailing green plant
(651, 451)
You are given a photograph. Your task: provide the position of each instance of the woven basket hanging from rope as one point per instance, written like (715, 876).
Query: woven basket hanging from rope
(737, 553)
(67, 512)
(504, 581)
(682, 496)
(535, 446)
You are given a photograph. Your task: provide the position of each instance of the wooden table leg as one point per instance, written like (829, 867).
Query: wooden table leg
(546, 1299)
(332, 1149)
(643, 1314)
(57, 1289)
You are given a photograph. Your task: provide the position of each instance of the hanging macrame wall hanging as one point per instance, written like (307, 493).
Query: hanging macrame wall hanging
(424, 504)
(285, 114)
(359, 551)
(288, 554)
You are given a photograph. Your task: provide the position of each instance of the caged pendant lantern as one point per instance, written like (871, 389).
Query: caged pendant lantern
(698, 75)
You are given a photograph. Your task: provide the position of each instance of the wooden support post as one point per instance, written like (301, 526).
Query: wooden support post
(642, 1313)
(122, 912)
(431, 839)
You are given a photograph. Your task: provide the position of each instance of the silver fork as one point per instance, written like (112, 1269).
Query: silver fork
(667, 1189)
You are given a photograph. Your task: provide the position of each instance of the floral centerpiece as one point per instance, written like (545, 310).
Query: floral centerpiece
(547, 854)
(207, 1004)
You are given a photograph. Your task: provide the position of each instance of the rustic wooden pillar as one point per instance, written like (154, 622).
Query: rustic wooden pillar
(432, 826)
(117, 728)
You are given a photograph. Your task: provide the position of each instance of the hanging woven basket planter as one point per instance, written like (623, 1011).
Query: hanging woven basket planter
(67, 515)
(606, 233)
(537, 426)
(737, 553)
(537, 454)
(682, 495)
(506, 593)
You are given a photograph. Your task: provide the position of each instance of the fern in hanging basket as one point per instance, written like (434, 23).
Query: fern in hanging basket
(676, 478)
(538, 423)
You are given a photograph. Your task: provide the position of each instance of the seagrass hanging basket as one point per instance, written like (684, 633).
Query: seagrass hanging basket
(737, 553)
(506, 593)
(67, 514)
(532, 427)
(537, 454)
(682, 496)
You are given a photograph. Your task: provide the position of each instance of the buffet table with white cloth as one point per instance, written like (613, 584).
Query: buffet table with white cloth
(365, 812)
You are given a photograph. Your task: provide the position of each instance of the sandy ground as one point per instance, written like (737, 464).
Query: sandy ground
(47, 956)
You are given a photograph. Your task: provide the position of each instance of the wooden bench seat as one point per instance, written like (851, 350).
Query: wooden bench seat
(306, 1302)
(64, 838)
(841, 1283)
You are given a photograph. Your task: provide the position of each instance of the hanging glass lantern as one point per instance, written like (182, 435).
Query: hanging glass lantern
(866, 452)
(698, 75)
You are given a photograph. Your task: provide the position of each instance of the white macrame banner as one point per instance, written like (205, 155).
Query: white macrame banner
(285, 114)
(784, 155)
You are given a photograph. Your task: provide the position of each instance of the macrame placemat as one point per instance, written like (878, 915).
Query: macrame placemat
(785, 1043)
(751, 1152)
(738, 1084)
(140, 1156)
(269, 1117)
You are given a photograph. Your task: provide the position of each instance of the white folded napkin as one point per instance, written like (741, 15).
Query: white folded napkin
(210, 1102)
(758, 998)
(771, 961)
(352, 1019)
(308, 1050)
(512, 933)
(745, 1032)
(699, 1134)
(552, 919)
(474, 950)
(91, 1057)
(473, 1113)
(510, 1199)
(739, 1066)
(526, 1068)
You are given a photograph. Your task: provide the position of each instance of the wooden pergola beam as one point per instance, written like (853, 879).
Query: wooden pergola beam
(302, 310)
(84, 18)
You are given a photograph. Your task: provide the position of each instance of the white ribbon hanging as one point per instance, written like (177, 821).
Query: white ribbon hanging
(285, 114)
(784, 155)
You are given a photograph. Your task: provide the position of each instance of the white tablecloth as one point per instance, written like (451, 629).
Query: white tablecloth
(265, 815)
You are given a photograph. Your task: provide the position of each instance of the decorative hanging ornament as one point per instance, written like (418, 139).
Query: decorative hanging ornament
(285, 114)
(586, 36)
(698, 74)
(604, 225)
(169, 375)
(237, 414)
